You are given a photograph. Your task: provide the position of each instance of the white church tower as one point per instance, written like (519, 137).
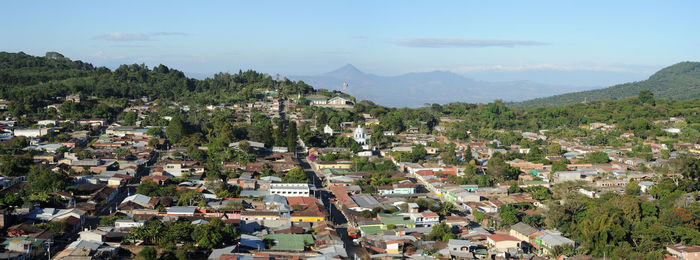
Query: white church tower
(359, 135)
(328, 130)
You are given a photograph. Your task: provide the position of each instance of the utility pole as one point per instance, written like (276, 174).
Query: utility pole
(48, 243)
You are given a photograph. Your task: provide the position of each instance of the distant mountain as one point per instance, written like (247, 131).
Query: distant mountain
(418, 88)
(677, 82)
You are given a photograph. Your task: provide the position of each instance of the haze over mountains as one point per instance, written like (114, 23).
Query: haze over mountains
(680, 81)
(418, 88)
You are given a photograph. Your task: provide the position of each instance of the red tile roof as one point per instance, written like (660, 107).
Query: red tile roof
(502, 237)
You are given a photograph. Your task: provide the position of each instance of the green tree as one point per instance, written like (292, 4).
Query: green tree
(296, 175)
(155, 132)
(177, 129)
(190, 198)
(45, 180)
(540, 193)
(153, 142)
(212, 234)
(468, 157)
(647, 97)
(690, 168)
(554, 149)
(560, 166)
(446, 208)
(15, 166)
(498, 168)
(536, 221)
(147, 253)
(598, 157)
(514, 188)
(441, 232)
(418, 153)
(279, 134)
(509, 215)
(130, 118)
(632, 188)
(292, 137)
(563, 250)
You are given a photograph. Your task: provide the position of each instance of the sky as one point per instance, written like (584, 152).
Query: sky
(562, 42)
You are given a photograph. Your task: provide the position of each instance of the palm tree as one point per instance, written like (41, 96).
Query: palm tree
(446, 208)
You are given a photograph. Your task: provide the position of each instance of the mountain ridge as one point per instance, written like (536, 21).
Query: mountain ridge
(680, 81)
(418, 88)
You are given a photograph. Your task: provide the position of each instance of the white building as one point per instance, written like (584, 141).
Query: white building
(47, 123)
(672, 130)
(290, 189)
(328, 130)
(128, 223)
(359, 135)
(31, 132)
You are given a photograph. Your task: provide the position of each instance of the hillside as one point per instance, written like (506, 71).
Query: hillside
(37, 81)
(677, 82)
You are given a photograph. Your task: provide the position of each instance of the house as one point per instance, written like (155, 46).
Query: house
(502, 242)
(276, 202)
(47, 123)
(426, 219)
(522, 231)
(317, 99)
(251, 242)
(255, 215)
(31, 132)
(128, 223)
(550, 239)
(290, 242)
(74, 98)
(95, 235)
(290, 189)
(395, 220)
(645, 185)
(221, 253)
(683, 252)
(28, 247)
(178, 168)
(364, 202)
(180, 211)
(306, 209)
(394, 246)
(339, 101)
(461, 248)
(50, 214)
(404, 187)
(413, 207)
(565, 176)
(346, 165)
(672, 130)
(466, 196)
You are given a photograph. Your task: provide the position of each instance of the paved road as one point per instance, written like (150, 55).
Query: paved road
(323, 194)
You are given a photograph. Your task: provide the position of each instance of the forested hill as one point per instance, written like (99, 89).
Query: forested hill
(30, 83)
(677, 82)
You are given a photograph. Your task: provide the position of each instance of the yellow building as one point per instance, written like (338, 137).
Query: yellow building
(346, 165)
(307, 218)
(393, 247)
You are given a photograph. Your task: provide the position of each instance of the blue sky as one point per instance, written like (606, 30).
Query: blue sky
(484, 39)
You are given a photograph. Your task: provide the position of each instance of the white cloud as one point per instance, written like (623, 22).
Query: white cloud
(131, 37)
(530, 67)
(123, 37)
(463, 43)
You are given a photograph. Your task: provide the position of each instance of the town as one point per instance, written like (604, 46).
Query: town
(290, 172)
